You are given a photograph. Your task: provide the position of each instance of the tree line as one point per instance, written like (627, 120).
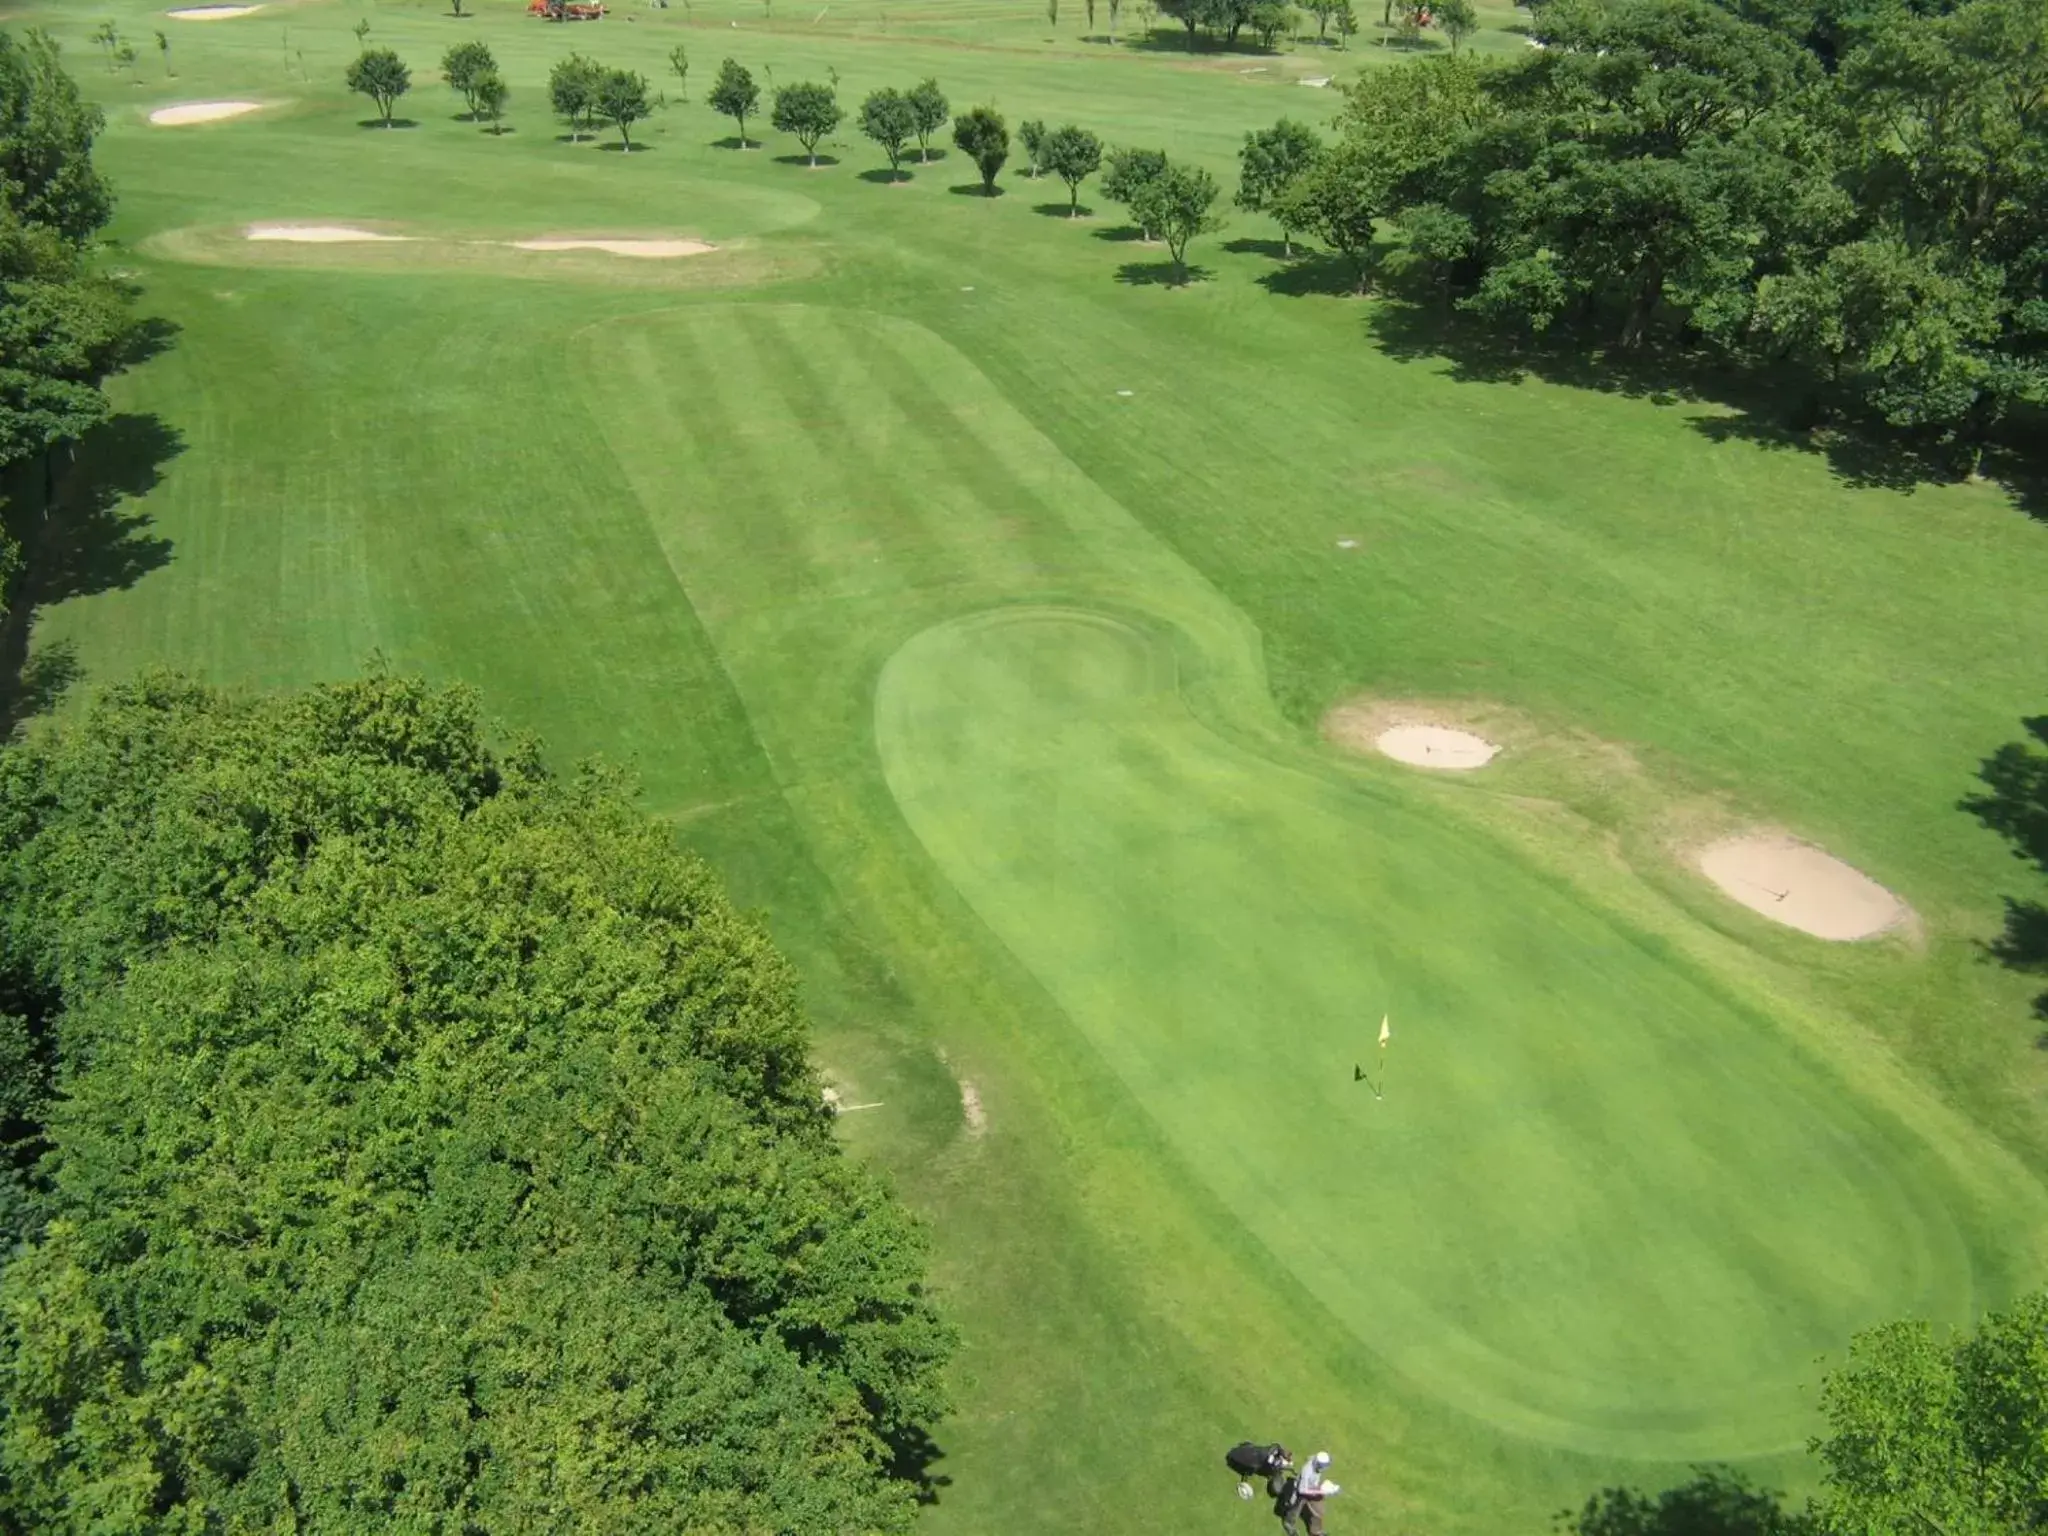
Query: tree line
(1850, 193)
(397, 1135)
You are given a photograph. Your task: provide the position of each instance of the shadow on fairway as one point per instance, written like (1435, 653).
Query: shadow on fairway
(2015, 806)
(1061, 211)
(975, 189)
(805, 161)
(732, 141)
(1128, 233)
(1310, 272)
(912, 1452)
(80, 541)
(1245, 245)
(885, 177)
(1160, 274)
(396, 122)
(613, 147)
(1717, 1502)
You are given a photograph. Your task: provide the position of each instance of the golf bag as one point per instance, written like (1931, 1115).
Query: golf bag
(1249, 1461)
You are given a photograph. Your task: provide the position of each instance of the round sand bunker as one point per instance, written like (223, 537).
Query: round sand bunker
(1797, 884)
(315, 234)
(201, 112)
(1436, 746)
(211, 12)
(643, 248)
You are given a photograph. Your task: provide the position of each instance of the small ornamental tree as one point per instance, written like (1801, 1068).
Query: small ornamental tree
(1178, 203)
(163, 46)
(928, 103)
(382, 76)
(679, 66)
(1268, 164)
(1269, 18)
(460, 67)
(1032, 136)
(888, 118)
(1339, 197)
(622, 102)
(572, 92)
(1126, 173)
(734, 95)
(809, 111)
(1458, 19)
(981, 135)
(1072, 154)
(491, 96)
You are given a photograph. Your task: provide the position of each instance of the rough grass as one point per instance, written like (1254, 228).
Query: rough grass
(1643, 1158)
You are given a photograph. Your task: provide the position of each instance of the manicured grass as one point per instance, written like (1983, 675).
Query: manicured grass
(995, 687)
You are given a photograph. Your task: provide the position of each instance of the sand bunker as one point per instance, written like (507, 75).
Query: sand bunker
(201, 112)
(315, 234)
(1436, 746)
(211, 12)
(970, 1108)
(620, 247)
(1796, 884)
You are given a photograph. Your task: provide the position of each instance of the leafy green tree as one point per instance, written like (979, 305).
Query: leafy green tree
(1031, 135)
(438, 1151)
(1052, 12)
(809, 111)
(573, 87)
(1090, 4)
(981, 135)
(1458, 18)
(381, 75)
(1115, 8)
(2015, 805)
(1126, 174)
(888, 118)
(1179, 204)
(163, 48)
(734, 95)
(1270, 18)
(622, 102)
(929, 106)
(1932, 1434)
(107, 39)
(1269, 161)
(1072, 154)
(1338, 197)
(491, 95)
(461, 66)
(679, 66)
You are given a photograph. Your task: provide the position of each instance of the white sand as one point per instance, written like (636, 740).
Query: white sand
(211, 12)
(620, 247)
(1796, 884)
(970, 1108)
(315, 234)
(1317, 81)
(201, 112)
(1436, 746)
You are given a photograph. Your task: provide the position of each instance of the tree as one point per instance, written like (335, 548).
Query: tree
(462, 65)
(1337, 197)
(573, 86)
(734, 95)
(622, 102)
(1091, 18)
(679, 66)
(362, 32)
(163, 48)
(381, 75)
(1459, 20)
(1270, 18)
(1115, 7)
(1178, 203)
(888, 118)
(455, 7)
(528, 1208)
(982, 137)
(929, 108)
(1052, 12)
(809, 111)
(1125, 176)
(126, 57)
(491, 96)
(2015, 806)
(107, 39)
(1072, 154)
(1031, 135)
(1939, 1434)
(1268, 164)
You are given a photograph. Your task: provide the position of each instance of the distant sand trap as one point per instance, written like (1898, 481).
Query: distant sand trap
(621, 247)
(970, 1107)
(201, 112)
(1436, 746)
(1796, 884)
(211, 12)
(316, 234)
(1316, 82)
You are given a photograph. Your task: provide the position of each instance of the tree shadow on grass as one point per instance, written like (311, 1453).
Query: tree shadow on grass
(614, 147)
(396, 122)
(884, 177)
(1061, 211)
(1311, 272)
(805, 161)
(975, 189)
(1121, 233)
(1245, 245)
(1717, 1502)
(77, 538)
(912, 1453)
(2015, 806)
(1161, 274)
(735, 142)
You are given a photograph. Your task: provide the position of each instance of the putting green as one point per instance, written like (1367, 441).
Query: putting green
(1600, 1204)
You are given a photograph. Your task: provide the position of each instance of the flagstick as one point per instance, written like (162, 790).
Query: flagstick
(1380, 1092)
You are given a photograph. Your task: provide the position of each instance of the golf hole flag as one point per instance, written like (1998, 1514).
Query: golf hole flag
(1386, 1030)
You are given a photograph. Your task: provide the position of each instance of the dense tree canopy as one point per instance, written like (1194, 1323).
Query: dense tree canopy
(809, 110)
(981, 135)
(735, 95)
(430, 1147)
(381, 75)
(574, 84)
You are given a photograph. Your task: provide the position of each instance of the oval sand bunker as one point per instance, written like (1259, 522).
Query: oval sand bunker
(1436, 746)
(620, 247)
(315, 234)
(211, 12)
(1796, 884)
(201, 112)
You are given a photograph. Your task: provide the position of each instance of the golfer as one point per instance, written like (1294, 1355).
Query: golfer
(1310, 1489)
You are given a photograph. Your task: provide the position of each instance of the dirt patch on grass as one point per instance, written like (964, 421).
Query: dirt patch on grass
(201, 112)
(1791, 881)
(970, 1108)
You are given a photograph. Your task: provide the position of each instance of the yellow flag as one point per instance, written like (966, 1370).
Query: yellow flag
(1386, 1030)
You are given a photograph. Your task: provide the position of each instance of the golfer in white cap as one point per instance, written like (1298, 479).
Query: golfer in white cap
(1310, 1490)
